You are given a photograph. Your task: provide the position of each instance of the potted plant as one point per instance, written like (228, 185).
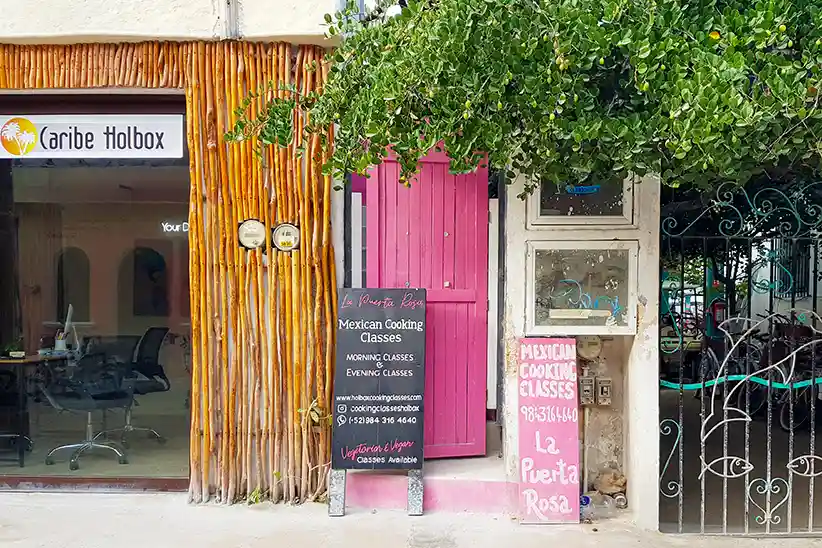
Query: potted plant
(15, 349)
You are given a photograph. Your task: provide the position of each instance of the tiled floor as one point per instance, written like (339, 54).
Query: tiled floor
(165, 412)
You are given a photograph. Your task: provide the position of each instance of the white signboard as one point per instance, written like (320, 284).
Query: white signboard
(92, 136)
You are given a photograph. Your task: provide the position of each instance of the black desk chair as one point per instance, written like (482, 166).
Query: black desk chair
(9, 408)
(88, 385)
(146, 376)
(119, 348)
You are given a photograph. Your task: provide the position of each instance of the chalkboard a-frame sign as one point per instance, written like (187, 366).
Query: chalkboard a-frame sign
(379, 380)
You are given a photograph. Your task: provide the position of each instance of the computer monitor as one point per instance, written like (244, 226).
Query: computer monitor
(70, 329)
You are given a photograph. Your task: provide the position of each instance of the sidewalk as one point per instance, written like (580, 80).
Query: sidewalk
(83, 520)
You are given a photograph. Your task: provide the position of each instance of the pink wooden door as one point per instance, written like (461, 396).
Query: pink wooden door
(434, 235)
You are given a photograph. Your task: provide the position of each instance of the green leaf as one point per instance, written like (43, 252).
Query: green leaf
(626, 38)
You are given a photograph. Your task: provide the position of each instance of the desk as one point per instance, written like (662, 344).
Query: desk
(20, 365)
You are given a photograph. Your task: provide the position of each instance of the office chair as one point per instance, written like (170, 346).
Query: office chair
(146, 376)
(9, 402)
(118, 347)
(88, 385)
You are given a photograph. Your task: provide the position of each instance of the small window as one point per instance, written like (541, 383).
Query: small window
(794, 272)
(150, 285)
(73, 284)
(582, 287)
(592, 202)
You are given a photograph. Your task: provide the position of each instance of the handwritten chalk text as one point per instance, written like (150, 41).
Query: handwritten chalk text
(552, 351)
(559, 371)
(397, 446)
(548, 389)
(563, 473)
(408, 302)
(549, 413)
(548, 431)
(539, 507)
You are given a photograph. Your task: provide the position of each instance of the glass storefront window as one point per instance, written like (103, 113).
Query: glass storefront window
(102, 244)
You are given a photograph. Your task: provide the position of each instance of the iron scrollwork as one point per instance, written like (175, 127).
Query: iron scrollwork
(790, 214)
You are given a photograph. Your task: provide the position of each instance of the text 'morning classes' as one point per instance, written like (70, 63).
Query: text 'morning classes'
(379, 357)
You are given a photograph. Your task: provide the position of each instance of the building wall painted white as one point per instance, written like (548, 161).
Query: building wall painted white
(298, 21)
(639, 407)
(765, 282)
(72, 21)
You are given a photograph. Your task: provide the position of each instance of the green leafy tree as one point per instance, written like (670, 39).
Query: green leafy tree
(570, 90)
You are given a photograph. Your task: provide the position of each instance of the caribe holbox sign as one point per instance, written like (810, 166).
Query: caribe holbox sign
(92, 136)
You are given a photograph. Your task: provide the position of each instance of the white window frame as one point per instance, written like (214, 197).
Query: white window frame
(627, 219)
(630, 306)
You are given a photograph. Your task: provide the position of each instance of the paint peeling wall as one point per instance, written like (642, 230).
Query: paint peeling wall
(627, 434)
(603, 436)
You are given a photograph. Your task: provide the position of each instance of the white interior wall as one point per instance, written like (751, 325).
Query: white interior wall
(493, 303)
(337, 232)
(357, 239)
(763, 277)
(641, 380)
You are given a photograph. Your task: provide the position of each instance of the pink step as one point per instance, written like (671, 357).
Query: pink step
(385, 491)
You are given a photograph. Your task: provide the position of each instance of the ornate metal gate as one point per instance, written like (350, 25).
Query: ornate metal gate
(740, 361)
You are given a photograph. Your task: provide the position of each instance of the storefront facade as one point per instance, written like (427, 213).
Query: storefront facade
(245, 337)
(254, 330)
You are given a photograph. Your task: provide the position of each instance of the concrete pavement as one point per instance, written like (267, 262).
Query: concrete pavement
(86, 520)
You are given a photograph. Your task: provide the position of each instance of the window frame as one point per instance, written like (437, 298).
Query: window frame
(146, 246)
(532, 246)
(804, 255)
(627, 219)
(61, 299)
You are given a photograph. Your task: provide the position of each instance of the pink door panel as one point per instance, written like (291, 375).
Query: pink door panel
(434, 235)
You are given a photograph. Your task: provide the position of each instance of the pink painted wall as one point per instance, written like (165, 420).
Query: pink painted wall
(358, 184)
(390, 491)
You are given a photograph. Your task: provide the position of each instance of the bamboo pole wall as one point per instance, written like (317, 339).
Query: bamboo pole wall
(262, 324)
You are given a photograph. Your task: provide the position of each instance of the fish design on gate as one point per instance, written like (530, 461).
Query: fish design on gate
(735, 466)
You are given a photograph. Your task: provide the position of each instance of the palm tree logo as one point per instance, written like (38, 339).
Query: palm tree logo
(18, 136)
